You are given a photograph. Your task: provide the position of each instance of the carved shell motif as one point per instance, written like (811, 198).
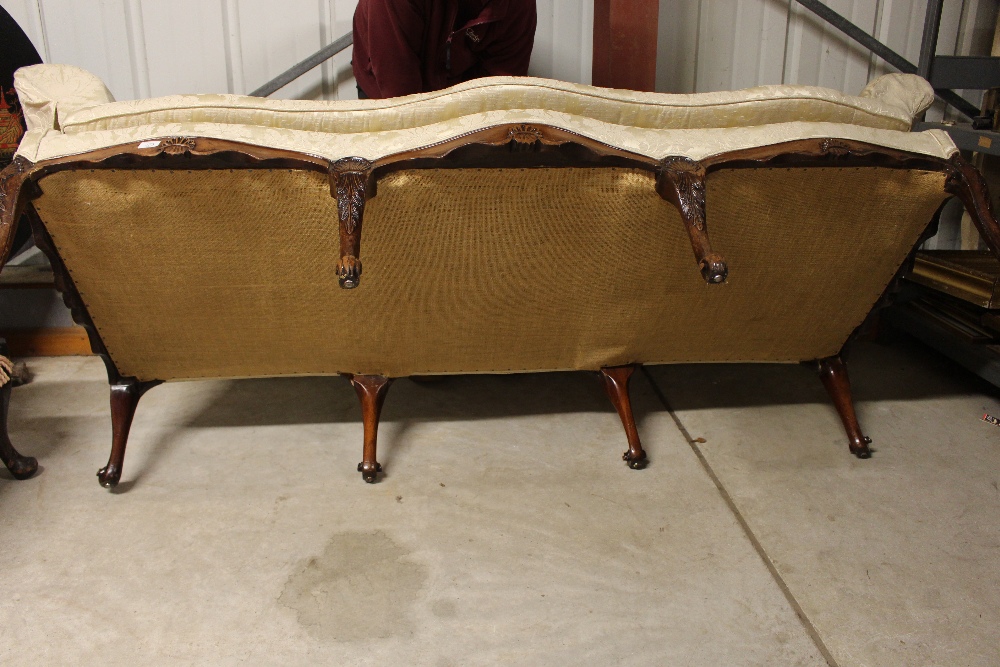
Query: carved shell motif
(176, 145)
(524, 134)
(834, 148)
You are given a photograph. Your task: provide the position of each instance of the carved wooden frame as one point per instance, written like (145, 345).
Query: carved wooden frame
(353, 180)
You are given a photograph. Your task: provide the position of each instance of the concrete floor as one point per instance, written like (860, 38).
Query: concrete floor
(507, 531)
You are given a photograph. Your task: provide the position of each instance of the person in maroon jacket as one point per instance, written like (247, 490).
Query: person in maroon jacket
(414, 46)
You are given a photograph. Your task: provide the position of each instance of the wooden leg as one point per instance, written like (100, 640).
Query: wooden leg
(833, 372)
(615, 380)
(21, 467)
(124, 397)
(371, 390)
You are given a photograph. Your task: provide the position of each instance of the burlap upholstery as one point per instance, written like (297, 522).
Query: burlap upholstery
(231, 273)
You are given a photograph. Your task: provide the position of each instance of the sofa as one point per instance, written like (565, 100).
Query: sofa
(505, 225)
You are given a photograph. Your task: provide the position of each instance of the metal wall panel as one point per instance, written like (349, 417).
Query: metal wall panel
(708, 45)
(154, 47)
(274, 38)
(677, 46)
(818, 54)
(92, 34)
(564, 41)
(143, 48)
(185, 46)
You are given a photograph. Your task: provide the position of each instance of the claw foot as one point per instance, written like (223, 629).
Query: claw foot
(23, 467)
(349, 271)
(714, 269)
(861, 450)
(369, 471)
(108, 476)
(635, 462)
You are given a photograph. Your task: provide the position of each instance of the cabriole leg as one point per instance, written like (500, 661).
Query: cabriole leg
(615, 380)
(124, 397)
(371, 390)
(833, 372)
(21, 467)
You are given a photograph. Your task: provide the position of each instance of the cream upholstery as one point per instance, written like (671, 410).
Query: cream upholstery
(41, 87)
(889, 102)
(651, 124)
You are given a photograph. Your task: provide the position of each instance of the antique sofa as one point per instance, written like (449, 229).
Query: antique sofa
(505, 225)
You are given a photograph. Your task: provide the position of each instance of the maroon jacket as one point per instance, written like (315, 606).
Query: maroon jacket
(413, 46)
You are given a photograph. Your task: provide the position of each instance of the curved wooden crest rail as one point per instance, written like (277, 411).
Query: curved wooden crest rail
(353, 181)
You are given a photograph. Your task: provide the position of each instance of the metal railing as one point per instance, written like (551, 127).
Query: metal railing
(927, 47)
(301, 68)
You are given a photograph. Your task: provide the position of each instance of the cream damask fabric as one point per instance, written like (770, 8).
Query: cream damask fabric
(755, 106)
(890, 102)
(49, 93)
(71, 112)
(657, 144)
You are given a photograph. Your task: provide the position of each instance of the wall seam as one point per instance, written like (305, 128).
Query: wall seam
(233, 43)
(135, 33)
(44, 31)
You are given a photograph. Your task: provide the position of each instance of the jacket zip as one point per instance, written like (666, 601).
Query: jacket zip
(465, 29)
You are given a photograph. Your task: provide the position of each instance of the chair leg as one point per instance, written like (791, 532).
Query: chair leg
(833, 372)
(21, 467)
(124, 397)
(371, 390)
(615, 380)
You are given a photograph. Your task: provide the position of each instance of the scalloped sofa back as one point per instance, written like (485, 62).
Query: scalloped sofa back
(503, 225)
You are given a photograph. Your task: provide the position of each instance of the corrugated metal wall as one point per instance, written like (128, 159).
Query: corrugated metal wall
(145, 48)
(156, 47)
(707, 45)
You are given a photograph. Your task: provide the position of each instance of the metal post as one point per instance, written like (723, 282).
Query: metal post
(928, 44)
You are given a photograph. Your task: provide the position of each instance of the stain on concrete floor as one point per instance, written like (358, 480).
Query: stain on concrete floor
(362, 586)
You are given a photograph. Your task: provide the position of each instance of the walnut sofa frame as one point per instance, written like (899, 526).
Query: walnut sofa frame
(353, 181)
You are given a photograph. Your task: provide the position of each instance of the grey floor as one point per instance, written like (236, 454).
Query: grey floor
(507, 531)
